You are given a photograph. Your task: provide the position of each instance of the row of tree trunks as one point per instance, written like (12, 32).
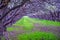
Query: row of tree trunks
(52, 16)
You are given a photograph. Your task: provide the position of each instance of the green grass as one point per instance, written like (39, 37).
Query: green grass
(25, 22)
(37, 36)
(45, 22)
(13, 28)
(10, 29)
(49, 23)
(28, 23)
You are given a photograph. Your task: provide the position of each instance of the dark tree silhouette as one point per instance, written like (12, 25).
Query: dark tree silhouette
(7, 15)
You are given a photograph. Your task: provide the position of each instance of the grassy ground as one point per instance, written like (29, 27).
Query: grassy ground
(28, 23)
(22, 28)
(37, 36)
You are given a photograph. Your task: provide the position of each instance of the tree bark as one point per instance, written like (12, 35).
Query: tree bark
(1, 30)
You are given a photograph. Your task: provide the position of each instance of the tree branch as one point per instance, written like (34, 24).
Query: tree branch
(14, 8)
(10, 20)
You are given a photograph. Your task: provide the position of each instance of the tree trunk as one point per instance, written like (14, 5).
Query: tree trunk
(1, 30)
